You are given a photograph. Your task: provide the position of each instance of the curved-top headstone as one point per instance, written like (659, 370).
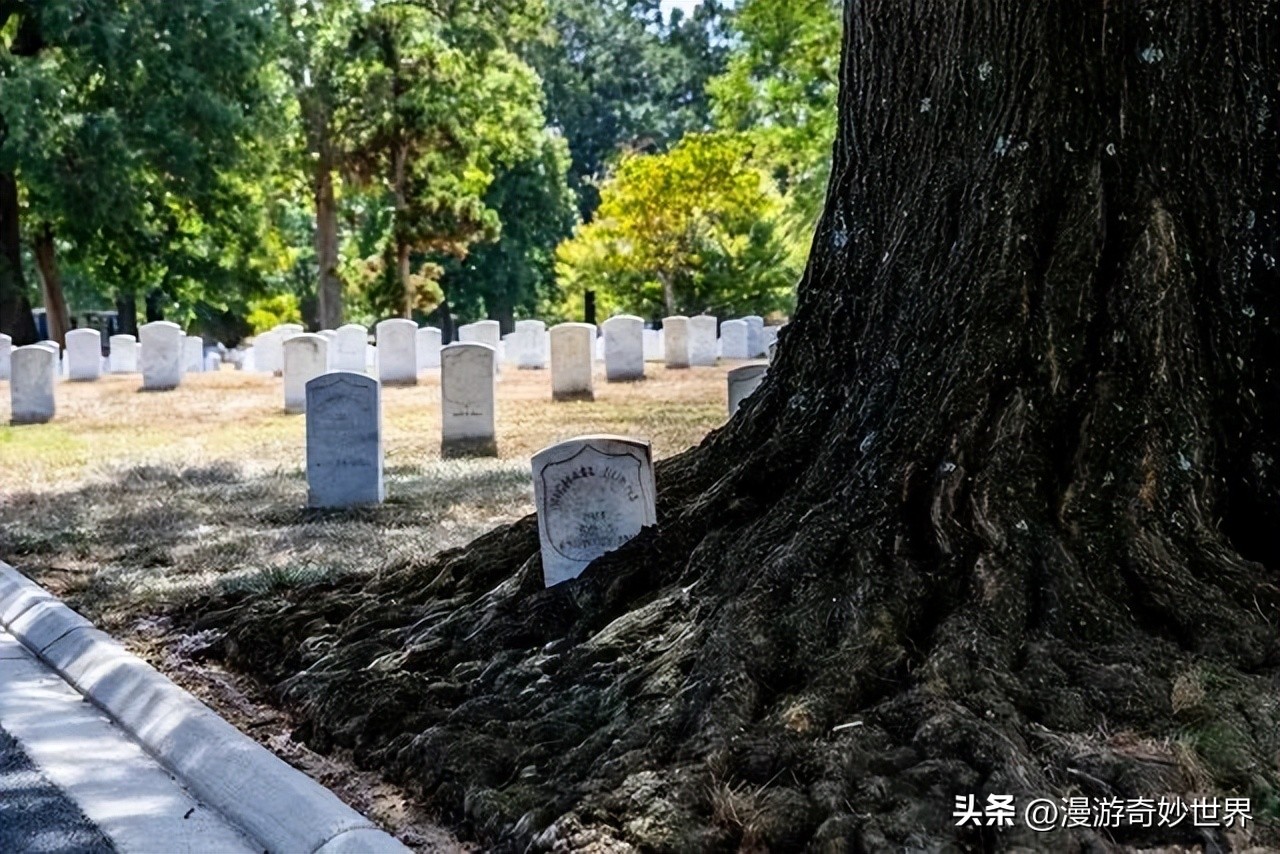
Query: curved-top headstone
(769, 337)
(344, 440)
(31, 384)
(397, 351)
(743, 381)
(572, 359)
(123, 358)
(734, 339)
(306, 357)
(484, 332)
(268, 352)
(347, 349)
(702, 340)
(653, 345)
(84, 355)
(428, 348)
(623, 348)
(467, 401)
(533, 344)
(592, 494)
(6, 354)
(755, 335)
(675, 341)
(161, 345)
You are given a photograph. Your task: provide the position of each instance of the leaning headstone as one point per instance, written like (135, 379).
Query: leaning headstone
(675, 341)
(742, 382)
(592, 494)
(31, 385)
(468, 425)
(346, 350)
(532, 354)
(755, 335)
(6, 355)
(623, 348)
(124, 354)
(428, 348)
(344, 440)
(734, 339)
(397, 351)
(572, 346)
(160, 346)
(193, 354)
(702, 340)
(84, 354)
(306, 357)
(653, 346)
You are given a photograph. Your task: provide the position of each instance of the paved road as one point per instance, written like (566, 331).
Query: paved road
(36, 816)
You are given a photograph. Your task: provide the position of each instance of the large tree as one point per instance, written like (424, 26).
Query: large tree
(999, 520)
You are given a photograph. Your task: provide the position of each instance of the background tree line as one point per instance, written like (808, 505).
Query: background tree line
(231, 164)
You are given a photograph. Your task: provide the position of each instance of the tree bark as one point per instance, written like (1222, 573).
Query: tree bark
(55, 300)
(127, 311)
(999, 520)
(329, 284)
(16, 319)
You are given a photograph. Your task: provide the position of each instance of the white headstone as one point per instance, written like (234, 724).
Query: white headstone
(346, 350)
(509, 349)
(124, 354)
(484, 332)
(468, 426)
(288, 330)
(702, 340)
(397, 351)
(193, 354)
(675, 341)
(572, 346)
(532, 354)
(772, 352)
(160, 347)
(306, 357)
(53, 347)
(6, 354)
(623, 348)
(344, 440)
(428, 348)
(769, 336)
(269, 352)
(742, 382)
(755, 335)
(734, 339)
(31, 385)
(592, 494)
(653, 346)
(84, 354)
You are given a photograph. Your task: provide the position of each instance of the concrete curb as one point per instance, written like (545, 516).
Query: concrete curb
(270, 800)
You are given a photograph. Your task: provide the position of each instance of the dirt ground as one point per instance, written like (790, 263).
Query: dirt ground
(131, 505)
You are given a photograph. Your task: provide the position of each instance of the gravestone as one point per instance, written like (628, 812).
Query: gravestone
(428, 348)
(572, 351)
(160, 347)
(468, 425)
(306, 357)
(510, 348)
(84, 355)
(346, 350)
(653, 346)
(58, 363)
(533, 344)
(193, 354)
(6, 355)
(742, 382)
(675, 341)
(291, 329)
(623, 348)
(397, 351)
(269, 352)
(755, 335)
(344, 440)
(124, 354)
(702, 340)
(734, 338)
(769, 336)
(484, 332)
(592, 494)
(31, 383)
(773, 351)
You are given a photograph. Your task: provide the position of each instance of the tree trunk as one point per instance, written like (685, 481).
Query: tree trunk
(16, 319)
(127, 311)
(55, 301)
(999, 521)
(329, 285)
(399, 176)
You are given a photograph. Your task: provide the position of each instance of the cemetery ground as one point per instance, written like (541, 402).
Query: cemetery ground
(141, 508)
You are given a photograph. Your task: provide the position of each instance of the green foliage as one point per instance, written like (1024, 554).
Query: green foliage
(692, 230)
(268, 312)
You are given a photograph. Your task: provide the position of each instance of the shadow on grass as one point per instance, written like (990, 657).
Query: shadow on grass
(147, 538)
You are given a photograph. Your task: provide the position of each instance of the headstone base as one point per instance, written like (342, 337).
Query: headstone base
(562, 396)
(19, 420)
(461, 448)
(406, 382)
